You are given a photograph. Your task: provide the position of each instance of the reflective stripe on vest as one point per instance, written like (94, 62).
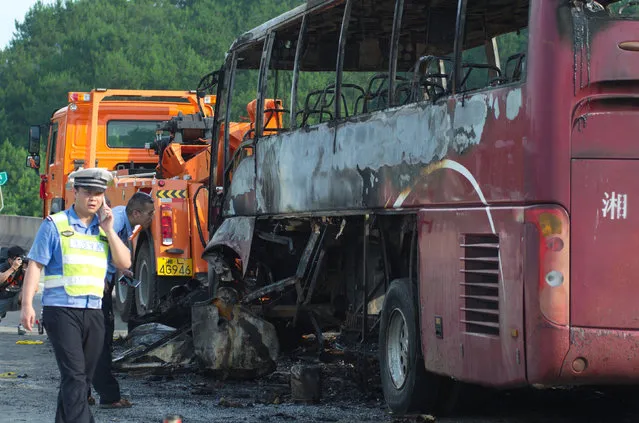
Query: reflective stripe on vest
(84, 260)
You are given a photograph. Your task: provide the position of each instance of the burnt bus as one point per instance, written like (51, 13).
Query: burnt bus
(456, 175)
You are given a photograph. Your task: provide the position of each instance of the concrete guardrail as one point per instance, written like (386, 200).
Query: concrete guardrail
(18, 230)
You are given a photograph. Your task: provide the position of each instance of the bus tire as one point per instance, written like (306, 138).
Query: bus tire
(407, 386)
(145, 272)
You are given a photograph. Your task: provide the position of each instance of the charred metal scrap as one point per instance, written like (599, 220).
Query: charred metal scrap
(223, 338)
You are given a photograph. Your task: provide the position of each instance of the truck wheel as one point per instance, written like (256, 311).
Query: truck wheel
(146, 292)
(124, 300)
(406, 384)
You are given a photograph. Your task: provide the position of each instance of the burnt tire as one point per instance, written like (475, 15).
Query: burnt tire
(407, 386)
(145, 272)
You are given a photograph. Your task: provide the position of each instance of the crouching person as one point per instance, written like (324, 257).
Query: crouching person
(73, 247)
(11, 279)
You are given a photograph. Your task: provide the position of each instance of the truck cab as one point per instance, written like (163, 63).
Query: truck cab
(104, 128)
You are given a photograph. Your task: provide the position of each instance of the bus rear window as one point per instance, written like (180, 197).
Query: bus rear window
(616, 9)
(130, 134)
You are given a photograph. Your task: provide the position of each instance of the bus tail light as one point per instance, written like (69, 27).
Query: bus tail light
(553, 229)
(166, 224)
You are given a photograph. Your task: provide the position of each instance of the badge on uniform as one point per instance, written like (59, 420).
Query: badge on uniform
(104, 238)
(67, 233)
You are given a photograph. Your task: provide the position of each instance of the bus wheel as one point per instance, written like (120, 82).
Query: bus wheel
(124, 300)
(146, 292)
(406, 384)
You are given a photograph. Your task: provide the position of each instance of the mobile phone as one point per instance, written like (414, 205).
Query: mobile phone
(126, 280)
(101, 214)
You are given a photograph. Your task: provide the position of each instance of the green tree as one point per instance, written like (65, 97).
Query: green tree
(78, 45)
(21, 192)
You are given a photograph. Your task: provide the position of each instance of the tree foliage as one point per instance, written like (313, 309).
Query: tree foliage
(21, 191)
(78, 45)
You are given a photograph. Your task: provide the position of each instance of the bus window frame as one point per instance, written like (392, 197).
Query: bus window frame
(398, 20)
(490, 45)
(458, 46)
(296, 71)
(339, 63)
(262, 78)
(268, 40)
(230, 83)
(394, 50)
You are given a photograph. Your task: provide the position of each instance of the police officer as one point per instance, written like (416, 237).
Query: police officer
(138, 211)
(73, 247)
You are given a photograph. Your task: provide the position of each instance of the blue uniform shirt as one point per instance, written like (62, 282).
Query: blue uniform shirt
(47, 251)
(122, 227)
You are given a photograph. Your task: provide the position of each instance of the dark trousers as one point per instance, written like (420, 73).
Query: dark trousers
(77, 335)
(103, 381)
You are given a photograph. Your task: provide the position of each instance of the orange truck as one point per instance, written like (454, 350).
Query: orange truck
(118, 130)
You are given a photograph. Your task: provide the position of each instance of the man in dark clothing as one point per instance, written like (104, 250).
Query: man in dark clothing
(11, 278)
(138, 211)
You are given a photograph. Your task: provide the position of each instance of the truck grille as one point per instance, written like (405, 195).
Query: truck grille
(480, 286)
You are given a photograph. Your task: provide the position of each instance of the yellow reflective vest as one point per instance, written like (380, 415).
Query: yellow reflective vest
(84, 260)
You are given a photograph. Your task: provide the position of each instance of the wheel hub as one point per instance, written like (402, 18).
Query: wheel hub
(397, 347)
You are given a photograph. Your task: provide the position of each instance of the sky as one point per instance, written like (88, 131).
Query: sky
(10, 11)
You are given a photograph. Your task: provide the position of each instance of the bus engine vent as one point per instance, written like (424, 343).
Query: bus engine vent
(480, 286)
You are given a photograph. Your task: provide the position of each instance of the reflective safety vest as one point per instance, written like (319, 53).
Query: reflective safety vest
(84, 260)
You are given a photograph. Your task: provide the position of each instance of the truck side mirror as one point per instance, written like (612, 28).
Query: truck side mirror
(33, 161)
(34, 139)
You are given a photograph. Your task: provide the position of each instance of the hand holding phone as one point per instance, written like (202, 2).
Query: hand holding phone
(130, 281)
(101, 213)
(105, 217)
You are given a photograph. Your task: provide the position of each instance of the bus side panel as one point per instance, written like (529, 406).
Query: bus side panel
(471, 294)
(546, 342)
(241, 199)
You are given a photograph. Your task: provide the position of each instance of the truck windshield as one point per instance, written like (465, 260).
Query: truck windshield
(130, 134)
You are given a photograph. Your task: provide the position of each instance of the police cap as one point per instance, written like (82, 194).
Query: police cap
(93, 178)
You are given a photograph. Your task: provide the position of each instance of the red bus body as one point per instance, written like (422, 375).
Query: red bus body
(564, 145)
(521, 192)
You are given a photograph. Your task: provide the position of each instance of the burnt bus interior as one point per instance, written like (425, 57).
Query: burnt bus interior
(421, 60)
(328, 270)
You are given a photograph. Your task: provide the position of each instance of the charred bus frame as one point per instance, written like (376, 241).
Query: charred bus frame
(437, 201)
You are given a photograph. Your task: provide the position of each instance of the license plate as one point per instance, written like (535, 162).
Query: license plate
(169, 266)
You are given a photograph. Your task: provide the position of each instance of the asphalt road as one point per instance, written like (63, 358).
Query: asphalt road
(31, 398)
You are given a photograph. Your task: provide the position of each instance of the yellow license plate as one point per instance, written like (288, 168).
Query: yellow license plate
(169, 266)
